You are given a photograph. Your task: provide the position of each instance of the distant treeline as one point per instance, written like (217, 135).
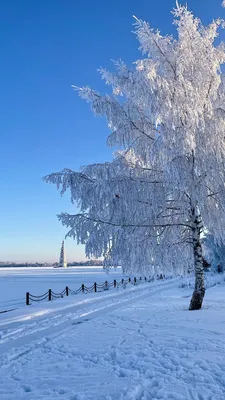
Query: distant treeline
(85, 263)
(38, 265)
(22, 265)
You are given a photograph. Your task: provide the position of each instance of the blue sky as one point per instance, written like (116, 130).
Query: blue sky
(46, 46)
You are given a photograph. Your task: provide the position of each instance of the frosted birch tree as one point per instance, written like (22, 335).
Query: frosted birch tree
(148, 207)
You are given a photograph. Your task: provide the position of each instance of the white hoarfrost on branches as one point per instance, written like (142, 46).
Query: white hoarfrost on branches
(215, 253)
(146, 209)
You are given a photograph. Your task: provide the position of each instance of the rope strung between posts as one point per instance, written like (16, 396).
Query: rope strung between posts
(50, 295)
(33, 299)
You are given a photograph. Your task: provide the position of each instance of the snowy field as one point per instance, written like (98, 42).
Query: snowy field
(15, 282)
(140, 343)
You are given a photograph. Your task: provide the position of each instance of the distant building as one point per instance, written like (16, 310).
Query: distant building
(62, 259)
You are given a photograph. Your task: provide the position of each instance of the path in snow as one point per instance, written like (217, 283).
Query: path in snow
(149, 349)
(53, 319)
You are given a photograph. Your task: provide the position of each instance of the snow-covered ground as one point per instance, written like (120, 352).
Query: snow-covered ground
(140, 343)
(15, 282)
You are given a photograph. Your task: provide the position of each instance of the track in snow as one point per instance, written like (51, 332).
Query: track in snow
(145, 346)
(31, 333)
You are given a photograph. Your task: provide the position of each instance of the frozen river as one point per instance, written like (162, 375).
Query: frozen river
(15, 282)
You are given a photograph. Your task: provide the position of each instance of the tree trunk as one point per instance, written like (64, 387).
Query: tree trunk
(199, 291)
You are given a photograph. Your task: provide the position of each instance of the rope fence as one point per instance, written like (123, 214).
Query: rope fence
(96, 287)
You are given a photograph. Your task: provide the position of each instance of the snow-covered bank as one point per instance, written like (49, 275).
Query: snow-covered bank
(147, 348)
(211, 279)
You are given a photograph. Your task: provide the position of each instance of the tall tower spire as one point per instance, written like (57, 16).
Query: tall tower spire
(62, 259)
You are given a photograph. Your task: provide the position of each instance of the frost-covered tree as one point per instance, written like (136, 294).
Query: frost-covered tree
(215, 253)
(147, 208)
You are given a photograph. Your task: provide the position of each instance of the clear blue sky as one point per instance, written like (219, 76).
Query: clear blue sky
(46, 46)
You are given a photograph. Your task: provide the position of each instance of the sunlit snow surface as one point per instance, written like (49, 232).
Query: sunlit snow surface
(140, 343)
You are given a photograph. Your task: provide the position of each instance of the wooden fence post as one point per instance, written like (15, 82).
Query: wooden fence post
(129, 280)
(106, 285)
(67, 291)
(114, 283)
(135, 280)
(122, 281)
(82, 287)
(27, 298)
(95, 287)
(49, 294)
(145, 279)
